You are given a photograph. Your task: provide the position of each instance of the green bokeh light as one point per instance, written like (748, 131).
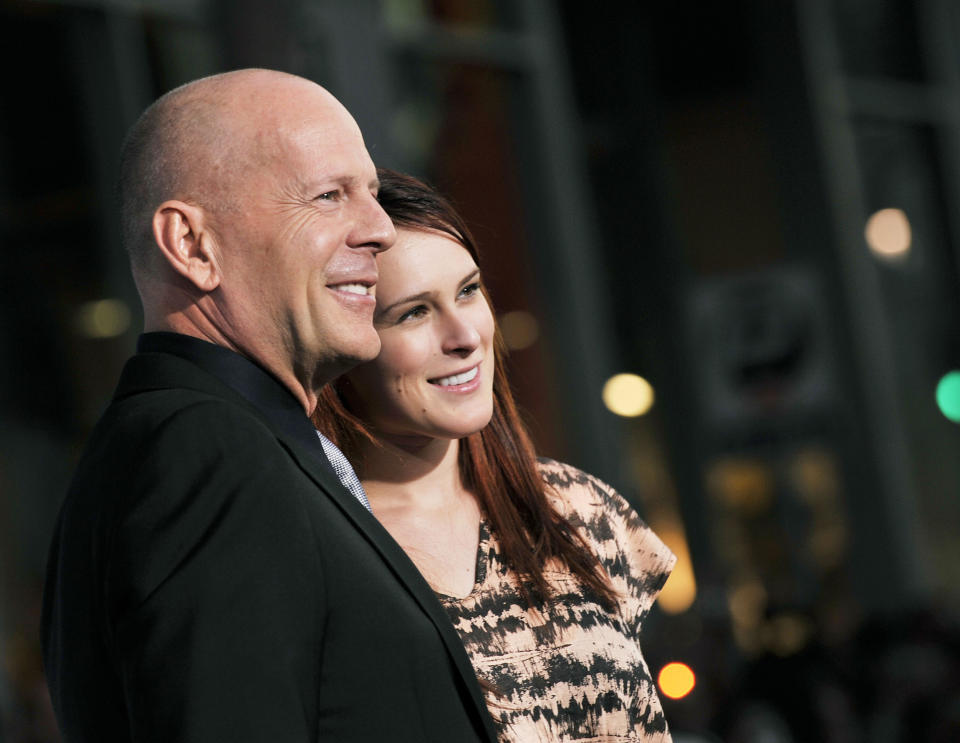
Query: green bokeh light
(948, 395)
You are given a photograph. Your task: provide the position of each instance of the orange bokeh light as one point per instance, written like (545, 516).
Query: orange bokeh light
(676, 680)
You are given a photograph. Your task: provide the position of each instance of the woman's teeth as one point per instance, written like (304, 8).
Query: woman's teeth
(354, 288)
(457, 378)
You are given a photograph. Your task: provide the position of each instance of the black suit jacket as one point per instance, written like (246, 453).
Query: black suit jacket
(210, 580)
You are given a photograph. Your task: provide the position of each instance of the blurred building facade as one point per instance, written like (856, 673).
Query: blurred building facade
(752, 205)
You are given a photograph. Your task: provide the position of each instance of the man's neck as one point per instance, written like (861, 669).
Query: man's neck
(306, 393)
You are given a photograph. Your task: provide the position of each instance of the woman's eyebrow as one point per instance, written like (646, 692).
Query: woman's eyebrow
(411, 298)
(473, 274)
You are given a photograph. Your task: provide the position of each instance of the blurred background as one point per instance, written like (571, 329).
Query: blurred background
(723, 240)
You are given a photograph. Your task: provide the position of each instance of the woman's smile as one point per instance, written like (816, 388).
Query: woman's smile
(461, 381)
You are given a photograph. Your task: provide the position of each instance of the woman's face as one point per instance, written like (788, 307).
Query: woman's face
(434, 375)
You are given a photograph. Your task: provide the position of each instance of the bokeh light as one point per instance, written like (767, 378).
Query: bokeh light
(787, 633)
(520, 329)
(628, 395)
(676, 680)
(888, 234)
(680, 590)
(948, 395)
(103, 318)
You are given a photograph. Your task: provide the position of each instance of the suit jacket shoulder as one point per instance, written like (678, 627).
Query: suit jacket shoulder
(213, 582)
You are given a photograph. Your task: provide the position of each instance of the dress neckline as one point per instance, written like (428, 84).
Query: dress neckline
(480, 568)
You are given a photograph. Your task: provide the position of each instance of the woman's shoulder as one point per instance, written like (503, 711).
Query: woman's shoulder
(626, 545)
(574, 491)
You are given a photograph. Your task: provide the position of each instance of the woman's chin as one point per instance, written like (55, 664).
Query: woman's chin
(469, 425)
(416, 433)
(457, 429)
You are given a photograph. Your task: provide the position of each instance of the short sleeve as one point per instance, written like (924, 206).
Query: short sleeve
(635, 558)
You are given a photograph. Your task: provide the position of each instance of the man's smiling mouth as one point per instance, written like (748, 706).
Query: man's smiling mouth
(361, 289)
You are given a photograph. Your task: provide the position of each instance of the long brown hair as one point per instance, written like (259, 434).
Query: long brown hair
(498, 463)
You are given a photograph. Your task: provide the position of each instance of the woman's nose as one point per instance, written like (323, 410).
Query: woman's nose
(460, 335)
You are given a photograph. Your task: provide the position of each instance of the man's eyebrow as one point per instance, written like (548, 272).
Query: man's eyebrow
(423, 295)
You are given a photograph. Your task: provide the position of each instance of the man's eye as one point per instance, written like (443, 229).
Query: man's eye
(329, 196)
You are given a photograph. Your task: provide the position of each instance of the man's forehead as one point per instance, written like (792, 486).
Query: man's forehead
(315, 123)
(267, 107)
(306, 172)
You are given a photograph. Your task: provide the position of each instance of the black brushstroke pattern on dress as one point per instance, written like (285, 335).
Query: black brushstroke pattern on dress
(569, 669)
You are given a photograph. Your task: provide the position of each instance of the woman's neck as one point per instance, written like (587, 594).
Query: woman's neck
(416, 493)
(411, 473)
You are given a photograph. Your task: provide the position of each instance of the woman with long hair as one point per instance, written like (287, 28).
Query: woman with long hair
(545, 571)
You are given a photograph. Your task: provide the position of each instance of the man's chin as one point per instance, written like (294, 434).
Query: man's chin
(357, 351)
(367, 347)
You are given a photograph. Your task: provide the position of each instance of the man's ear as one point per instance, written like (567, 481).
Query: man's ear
(178, 230)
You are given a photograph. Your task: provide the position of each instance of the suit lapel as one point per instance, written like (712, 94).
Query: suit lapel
(164, 371)
(401, 565)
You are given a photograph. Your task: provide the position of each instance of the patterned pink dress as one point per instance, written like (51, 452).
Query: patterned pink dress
(570, 670)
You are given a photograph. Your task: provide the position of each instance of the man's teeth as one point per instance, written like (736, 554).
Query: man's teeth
(354, 288)
(457, 378)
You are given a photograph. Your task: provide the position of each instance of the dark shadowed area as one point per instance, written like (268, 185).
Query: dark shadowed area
(750, 208)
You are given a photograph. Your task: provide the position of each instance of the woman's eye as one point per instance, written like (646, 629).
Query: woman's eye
(412, 313)
(470, 289)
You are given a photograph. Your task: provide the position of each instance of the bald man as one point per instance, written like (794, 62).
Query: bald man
(211, 579)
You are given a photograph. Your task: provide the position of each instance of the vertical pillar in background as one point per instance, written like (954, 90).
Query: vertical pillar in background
(350, 43)
(888, 564)
(116, 85)
(565, 246)
(940, 24)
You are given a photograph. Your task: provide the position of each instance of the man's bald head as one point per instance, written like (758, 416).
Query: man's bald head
(193, 144)
(250, 213)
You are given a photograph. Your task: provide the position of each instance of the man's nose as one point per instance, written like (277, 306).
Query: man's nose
(373, 228)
